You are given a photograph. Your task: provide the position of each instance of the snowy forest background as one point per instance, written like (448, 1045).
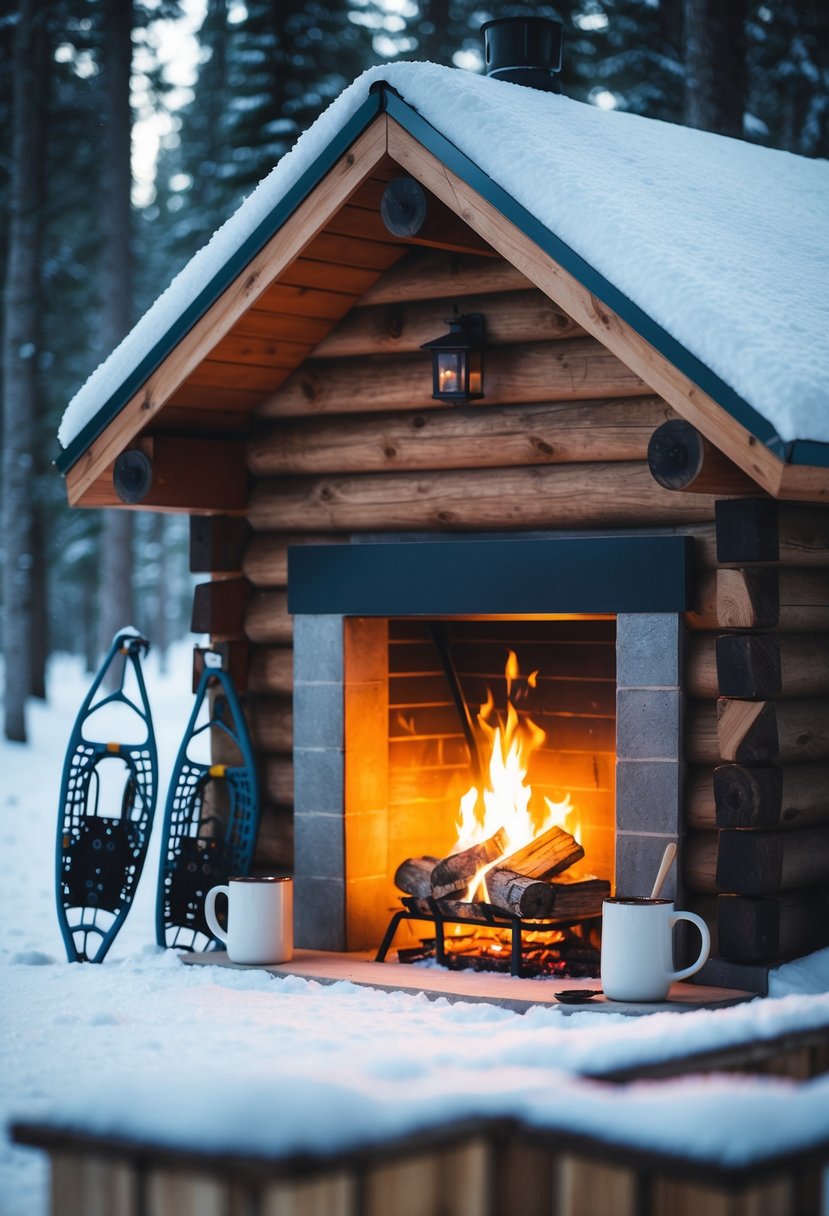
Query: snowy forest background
(92, 235)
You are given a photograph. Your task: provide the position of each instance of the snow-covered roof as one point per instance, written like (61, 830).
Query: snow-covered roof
(723, 244)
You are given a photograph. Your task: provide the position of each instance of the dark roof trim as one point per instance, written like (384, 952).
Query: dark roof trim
(805, 452)
(368, 111)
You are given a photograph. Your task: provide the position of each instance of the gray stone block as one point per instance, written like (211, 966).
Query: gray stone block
(319, 846)
(648, 795)
(648, 724)
(319, 913)
(318, 649)
(648, 649)
(318, 716)
(318, 781)
(637, 863)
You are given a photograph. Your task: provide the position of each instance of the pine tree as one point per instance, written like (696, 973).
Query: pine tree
(21, 335)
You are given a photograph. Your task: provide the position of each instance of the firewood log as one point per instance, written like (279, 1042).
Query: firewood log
(454, 874)
(545, 856)
(414, 876)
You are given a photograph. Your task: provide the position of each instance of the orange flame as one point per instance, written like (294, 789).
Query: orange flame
(505, 801)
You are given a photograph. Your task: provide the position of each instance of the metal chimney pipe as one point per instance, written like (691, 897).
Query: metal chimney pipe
(524, 50)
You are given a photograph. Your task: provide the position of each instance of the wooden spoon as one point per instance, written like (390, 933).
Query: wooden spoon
(667, 861)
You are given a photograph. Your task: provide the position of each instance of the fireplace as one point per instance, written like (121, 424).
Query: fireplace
(381, 760)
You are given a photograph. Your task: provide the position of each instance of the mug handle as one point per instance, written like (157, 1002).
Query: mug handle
(210, 911)
(706, 945)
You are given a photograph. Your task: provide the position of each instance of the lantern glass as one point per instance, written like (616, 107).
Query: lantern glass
(458, 359)
(450, 373)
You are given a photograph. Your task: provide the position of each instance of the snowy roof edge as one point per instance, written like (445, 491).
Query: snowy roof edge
(385, 97)
(272, 222)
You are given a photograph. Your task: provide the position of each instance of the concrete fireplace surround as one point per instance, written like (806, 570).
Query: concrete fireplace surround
(341, 891)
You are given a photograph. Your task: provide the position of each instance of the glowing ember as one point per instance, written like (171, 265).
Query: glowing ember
(505, 802)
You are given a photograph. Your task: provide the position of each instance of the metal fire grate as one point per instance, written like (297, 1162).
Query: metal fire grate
(578, 957)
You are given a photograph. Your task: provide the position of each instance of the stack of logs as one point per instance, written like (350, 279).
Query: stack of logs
(757, 727)
(518, 883)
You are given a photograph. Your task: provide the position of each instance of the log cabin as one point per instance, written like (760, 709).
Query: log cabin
(629, 491)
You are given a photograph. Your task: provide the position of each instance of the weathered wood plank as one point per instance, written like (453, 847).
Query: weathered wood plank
(557, 496)
(423, 275)
(267, 619)
(468, 438)
(521, 316)
(572, 369)
(266, 556)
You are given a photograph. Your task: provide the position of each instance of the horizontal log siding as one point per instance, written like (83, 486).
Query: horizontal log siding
(353, 442)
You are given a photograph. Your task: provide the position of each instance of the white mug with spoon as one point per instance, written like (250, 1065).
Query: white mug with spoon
(637, 943)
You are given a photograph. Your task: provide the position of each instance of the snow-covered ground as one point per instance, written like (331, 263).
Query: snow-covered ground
(143, 1045)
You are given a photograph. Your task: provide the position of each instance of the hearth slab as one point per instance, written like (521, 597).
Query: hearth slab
(489, 987)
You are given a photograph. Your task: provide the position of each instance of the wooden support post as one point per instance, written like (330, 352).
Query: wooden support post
(763, 732)
(764, 530)
(217, 543)
(759, 666)
(772, 927)
(766, 796)
(219, 608)
(680, 458)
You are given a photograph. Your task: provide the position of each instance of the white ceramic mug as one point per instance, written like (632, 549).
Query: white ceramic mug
(260, 919)
(638, 948)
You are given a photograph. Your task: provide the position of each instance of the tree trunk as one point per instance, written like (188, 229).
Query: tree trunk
(20, 326)
(115, 587)
(715, 65)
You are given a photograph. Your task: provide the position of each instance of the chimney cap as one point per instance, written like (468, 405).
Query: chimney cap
(524, 50)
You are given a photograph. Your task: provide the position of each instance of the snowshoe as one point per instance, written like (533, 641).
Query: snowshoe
(212, 813)
(107, 800)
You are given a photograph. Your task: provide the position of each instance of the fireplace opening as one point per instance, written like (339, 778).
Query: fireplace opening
(381, 760)
(500, 763)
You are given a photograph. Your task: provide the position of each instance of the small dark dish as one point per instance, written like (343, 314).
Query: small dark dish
(577, 996)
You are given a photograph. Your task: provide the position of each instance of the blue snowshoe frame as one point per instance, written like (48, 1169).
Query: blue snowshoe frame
(199, 850)
(99, 858)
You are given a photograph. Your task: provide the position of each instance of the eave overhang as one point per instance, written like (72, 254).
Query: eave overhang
(786, 470)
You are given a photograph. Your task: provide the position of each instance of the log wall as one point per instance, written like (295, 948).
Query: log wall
(352, 443)
(757, 733)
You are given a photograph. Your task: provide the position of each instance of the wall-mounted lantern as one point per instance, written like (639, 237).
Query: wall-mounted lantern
(458, 359)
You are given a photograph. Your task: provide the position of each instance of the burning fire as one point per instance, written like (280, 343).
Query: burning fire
(504, 803)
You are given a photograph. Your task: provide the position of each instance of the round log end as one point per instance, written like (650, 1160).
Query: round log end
(675, 454)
